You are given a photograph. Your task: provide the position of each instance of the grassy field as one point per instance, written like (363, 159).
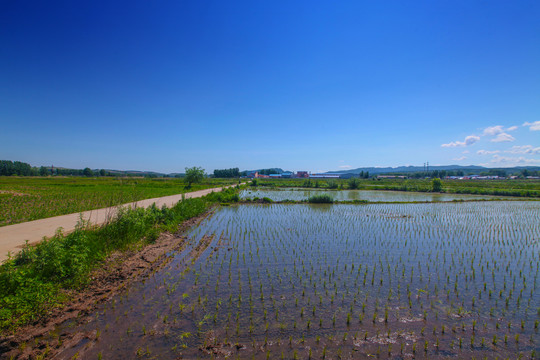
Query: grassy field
(31, 198)
(518, 188)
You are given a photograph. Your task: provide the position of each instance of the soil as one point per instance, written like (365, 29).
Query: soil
(117, 272)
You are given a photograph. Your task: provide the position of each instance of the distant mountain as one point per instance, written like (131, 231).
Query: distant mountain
(410, 169)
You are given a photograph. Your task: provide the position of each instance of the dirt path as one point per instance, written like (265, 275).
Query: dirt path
(13, 237)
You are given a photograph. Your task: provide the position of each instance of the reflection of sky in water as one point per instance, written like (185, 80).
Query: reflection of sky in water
(283, 266)
(350, 195)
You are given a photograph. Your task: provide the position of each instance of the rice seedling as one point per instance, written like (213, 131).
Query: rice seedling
(404, 267)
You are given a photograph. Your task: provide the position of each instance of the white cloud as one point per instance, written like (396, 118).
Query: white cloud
(345, 166)
(465, 151)
(469, 140)
(493, 130)
(524, 149)
(497, 129)
(535, 126)
(512, 161)
(460, 158)
(487, 152)
(503, 137)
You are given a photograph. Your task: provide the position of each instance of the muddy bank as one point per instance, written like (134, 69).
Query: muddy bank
(112, 276)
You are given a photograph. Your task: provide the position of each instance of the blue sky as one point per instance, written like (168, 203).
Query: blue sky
(302, 85)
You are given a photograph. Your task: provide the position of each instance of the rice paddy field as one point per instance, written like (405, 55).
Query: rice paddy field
(31, 198)
(524, 188)
(298, 194)
(300, 281)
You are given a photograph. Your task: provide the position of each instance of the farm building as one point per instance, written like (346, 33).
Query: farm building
(287, 175)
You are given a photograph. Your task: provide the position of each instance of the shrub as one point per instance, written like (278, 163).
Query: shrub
(436, 185)
(321, 199)
(229, 195)
(332, 184)
(353, 183)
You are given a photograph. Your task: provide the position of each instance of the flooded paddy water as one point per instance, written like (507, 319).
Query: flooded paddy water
(297, 194)
(398, 281)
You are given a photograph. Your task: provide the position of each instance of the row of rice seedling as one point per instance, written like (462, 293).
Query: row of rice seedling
(422, 280)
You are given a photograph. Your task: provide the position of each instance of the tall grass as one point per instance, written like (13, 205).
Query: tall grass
(321, 199)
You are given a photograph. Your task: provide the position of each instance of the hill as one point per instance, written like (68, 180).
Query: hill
(410, 169)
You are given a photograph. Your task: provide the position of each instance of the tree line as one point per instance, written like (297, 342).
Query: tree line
(263, 171)
(227, 173)
(9, 168)
(19, 168)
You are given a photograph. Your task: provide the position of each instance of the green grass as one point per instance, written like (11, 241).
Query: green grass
(321, 199)
(31, 198)
(229, 195)
(35, 280)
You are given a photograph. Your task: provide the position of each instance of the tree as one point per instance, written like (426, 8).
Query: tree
(194, 175)
(88, 172)
(436, 185)
(226, 173)
(102, 172)
(353, 183)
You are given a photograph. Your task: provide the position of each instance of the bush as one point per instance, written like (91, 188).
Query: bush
(353, 183)
(436, 185)
(229, 195)
(332, 184)
(321, 199)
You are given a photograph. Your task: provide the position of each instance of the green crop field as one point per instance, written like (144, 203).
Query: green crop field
(31, 198)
